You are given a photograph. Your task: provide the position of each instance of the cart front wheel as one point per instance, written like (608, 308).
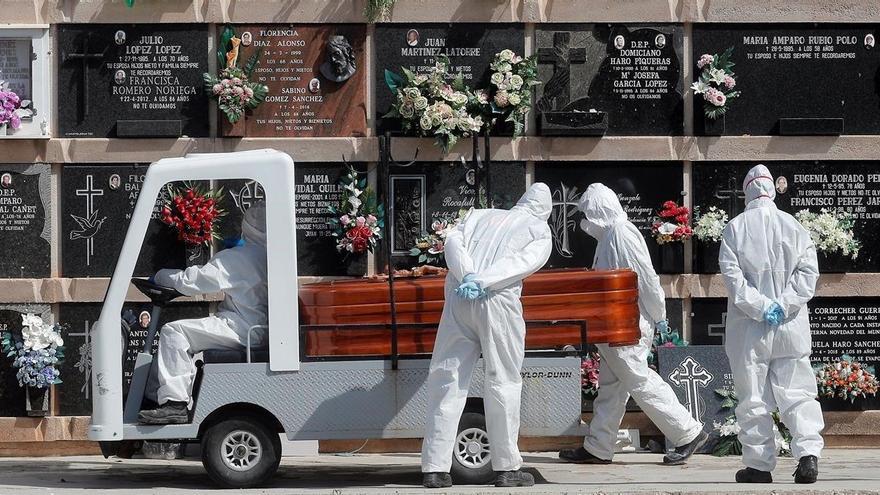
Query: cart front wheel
(240, 453)
(471, 458)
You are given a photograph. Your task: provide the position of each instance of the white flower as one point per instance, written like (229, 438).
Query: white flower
(717, 76)
(425, 122)
(516, 81)
(421, 103)
(700, 87)
(506, 55)
(514, 99)
(497, 78)
(710, 225)
(667, 228)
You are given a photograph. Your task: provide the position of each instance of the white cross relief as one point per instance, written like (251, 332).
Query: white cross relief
(89, 225)
(718, 329)
(691, 375)
(84, 365)
(560, 221)
(250, 193)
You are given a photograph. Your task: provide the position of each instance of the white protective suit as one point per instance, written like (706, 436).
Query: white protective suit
(767, 256)
(624, 370)
(501, 248)
(240, 273)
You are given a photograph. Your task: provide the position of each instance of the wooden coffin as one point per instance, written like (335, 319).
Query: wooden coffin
(352, 317)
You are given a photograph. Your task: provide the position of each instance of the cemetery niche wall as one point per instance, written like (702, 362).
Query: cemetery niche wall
(132, 80)
(642, 188)
(796, 79)
(25, 220)
(609, 79)
(316, 77)
(24, 70)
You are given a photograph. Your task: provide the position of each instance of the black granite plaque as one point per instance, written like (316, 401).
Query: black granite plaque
(97, 204)
(708, 321)
(470, 48)
(317, 188)
(25, 221)
(12, 396)
(132, 80)
(694, 373)
(642, 189)
(75, 393)
(609, 79)
(796, 78)
(812, 185)
(431, 191)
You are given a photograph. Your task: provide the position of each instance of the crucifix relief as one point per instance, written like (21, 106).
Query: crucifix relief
(90, 224)
(565, 201)
(691, 376)
(85, 58)
(557, 90)
(734, 195)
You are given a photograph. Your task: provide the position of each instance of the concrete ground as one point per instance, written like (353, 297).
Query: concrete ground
(841, 471)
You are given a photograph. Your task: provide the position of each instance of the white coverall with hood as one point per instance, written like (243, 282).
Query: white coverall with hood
(624, 370)
(501, 248)
(240, 273)
(767, 256)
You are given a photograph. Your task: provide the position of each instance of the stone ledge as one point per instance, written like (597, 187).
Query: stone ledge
(830, 285)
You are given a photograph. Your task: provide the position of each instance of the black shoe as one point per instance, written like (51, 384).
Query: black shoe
(437, 480)
(749, 475)
(169, 413)
(807, 470)
(581, 456)
(680, 454)
(511, 479)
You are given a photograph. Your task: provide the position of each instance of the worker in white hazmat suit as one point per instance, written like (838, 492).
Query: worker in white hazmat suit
(769, 266)
(240, 273)
(488, 255)
(624, 370)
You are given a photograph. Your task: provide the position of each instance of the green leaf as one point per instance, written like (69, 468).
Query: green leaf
(392, 114)
(223, 45)
(252, 62)
(393, 80)
(728, 403)
(415, 251)
(423, 258)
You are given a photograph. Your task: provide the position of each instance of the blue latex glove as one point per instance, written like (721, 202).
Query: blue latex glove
(662, 326)
(774, 314)
(469, 289)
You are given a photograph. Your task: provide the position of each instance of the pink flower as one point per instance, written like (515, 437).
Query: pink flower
(729, 82)
(371, 219)
(360, 221)
(718, 99)
(705, 60)
(344, 219)
(217, 88)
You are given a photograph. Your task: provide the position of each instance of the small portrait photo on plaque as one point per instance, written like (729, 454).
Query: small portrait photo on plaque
(412, 37)
(6, 180)
(119, 77)
(144, 319)
(114, 182)
(660, 41)
(119, 37)
(471, 177)
(869, 41)
(781, 184)
(619, 42)
(314, 85)
(247, 38)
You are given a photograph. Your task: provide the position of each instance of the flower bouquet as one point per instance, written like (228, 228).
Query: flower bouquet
(590, 375)
(430, 247)
(510, 93)
(12, 109)
(668, 338)
(845, 379)
(716, 83)
(728, 431)
(831, 231)
(35, 356)
(358, 220)
(232, 88)
(194, 214)
(710, 225)
(672, 224)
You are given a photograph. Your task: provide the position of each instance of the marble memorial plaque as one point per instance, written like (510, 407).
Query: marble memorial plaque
(12, 396)
(24, 68)
(694, 372)
(316, 77)
(317, 188)
(852, 186)
(609, 79)
(470, 48)
(75, 394)
(25, 221)
(15, 66)
(642, 189)
(132, 80)
(430, 191)
(98, 201)
(795, 78)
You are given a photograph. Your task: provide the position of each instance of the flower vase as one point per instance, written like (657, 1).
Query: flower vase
(3, 128)
(36, 401)
(834, 263)
(706, 257)
(670, 255)
(228, 129)
(195, 255)
(356, 265)
(860, 404)
(714, 127)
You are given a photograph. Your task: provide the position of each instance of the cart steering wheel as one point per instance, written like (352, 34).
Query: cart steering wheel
(158, 294)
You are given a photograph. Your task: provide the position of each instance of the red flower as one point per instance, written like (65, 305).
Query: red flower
(359, 244)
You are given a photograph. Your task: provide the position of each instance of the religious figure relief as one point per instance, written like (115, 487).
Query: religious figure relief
(232, 55)
(691, 376)
(563, 218)
(339, 64)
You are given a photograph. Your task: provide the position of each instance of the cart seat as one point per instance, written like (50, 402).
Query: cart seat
(210, 356)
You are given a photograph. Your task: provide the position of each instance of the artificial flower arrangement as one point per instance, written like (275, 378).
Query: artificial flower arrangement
(41, 348)
(716, 83)
(845, 379)
(194, 213)
(728, 431)
(429, 247)
(831, 231)
(441, 105)
(709, 226)
(672, 224)
(668, 338)
(232, 88)
(358, 220)
(12, 107)
(590, 375)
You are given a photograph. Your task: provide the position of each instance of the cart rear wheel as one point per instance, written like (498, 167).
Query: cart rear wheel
(471, 458)
(240, 453)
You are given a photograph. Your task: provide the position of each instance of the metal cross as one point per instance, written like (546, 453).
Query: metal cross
(89, 193)
(732, 194)
(564, 197)
(691, 375)
(85, 58)
(562, 56)
(85, 357)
